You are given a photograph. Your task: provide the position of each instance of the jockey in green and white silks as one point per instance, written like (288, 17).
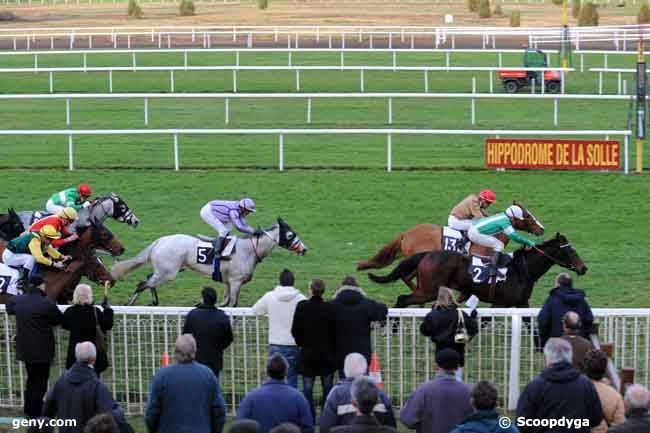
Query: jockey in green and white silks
(483, 232)
(71, 197)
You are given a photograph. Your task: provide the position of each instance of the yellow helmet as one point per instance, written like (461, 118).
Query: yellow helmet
(50, 232)
(68, 213)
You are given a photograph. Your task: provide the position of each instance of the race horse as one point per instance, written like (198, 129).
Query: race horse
(170, 254)
(428, 237)
(99, 210)
(61, 283)
(451, 269)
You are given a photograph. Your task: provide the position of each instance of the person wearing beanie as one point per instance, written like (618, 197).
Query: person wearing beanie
(211, 329)
(439, 405)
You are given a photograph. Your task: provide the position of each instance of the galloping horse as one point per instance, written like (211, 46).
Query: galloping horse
(99, 210)
(61, 283)
(170, 254)
(450, 269)
(428, 237)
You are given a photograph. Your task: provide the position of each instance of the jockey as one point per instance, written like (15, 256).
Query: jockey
(71, 197)
(60, 222)
(27, 250)
(221, 215)
(482, 232)
(470, 209)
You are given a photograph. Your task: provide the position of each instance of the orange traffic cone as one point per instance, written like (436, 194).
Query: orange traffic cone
(375, 372)
(164, 360)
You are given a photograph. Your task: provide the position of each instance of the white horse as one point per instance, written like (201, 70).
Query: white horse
(170, 254)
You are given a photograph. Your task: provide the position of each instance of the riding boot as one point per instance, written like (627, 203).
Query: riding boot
(22, 279)
(494, 264)
(216, 245)
(464, 240)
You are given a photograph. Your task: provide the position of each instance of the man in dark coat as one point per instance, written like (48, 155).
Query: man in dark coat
(36, 316)
(560, 391)
(353, 315)
(211, 329)
(313, 329)
(80, 395)
(364, 398)
(562, 299)
(579, 345)
(637, 403)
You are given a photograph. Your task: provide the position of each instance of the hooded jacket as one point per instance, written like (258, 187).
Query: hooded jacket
(279, 305)
(561, 300)
(560, 391)
(353, 315)
(483, 421)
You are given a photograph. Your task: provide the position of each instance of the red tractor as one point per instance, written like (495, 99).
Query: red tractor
(513, 81)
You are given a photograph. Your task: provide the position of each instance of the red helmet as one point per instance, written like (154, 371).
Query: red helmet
(488, 195)
(84, 189)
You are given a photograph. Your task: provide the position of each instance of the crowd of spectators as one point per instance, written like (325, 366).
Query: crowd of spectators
(313, 338)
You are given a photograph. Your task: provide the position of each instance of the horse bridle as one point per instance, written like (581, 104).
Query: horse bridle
(259, 259)
(569, 266)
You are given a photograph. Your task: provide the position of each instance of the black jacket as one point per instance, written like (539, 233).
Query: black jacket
(211, 328)
(313, 328)
(353, 314)
(560, 391)
(36, 315)
(561, 300)
(79, 395)
(442, 325)
(364, 424)
(637, 421)
(80, 321)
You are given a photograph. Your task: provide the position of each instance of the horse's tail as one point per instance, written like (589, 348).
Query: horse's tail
(384, 256)
(405, 268)
(125, 266)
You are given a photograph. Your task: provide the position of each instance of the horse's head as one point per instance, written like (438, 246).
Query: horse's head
(529, 224)
(289, 239)
(122, 212)
(97, 272)
(560, 249)
(12, 226)
(98, 236)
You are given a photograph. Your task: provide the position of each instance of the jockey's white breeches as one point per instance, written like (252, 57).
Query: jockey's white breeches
(214, 222)
(485, 240)
(458, 224)
(8, 279)
(16, 260)
(52, 208)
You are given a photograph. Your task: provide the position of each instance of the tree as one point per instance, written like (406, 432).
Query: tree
(644, 14)
(498, 11)
(515, 19)
(186, 8)
(135, 11)
(484, 9)
(588, 15)
(262, 4)
(575, 8)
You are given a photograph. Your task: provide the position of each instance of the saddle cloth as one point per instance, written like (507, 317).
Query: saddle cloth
(8, 279)
(478, 269)
(205, 246)
(452, 241)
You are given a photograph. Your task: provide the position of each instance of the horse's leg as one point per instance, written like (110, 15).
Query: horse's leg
(141, 287)
(226, 294)
(154, 297)
(408, 280)
(235, 290)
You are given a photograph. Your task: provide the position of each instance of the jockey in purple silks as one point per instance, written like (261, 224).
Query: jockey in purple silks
(222, 215)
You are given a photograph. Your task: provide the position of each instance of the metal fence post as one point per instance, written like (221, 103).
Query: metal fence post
(110, 81)
(234, 80)
(555, 112)
(227, 110)
(67, 111)
(146, 111)
(51, 82)
(171, 80)
(281, 153)
(297, 80)
(309, 110)
(389, 153)
(626, 148)
(362, 85)
(515, 348)
(390, 110)
(176, 160)
(70, 153)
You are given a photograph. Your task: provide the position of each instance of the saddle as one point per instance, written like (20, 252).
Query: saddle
(479, 268)
(227, 246)
(455, 240)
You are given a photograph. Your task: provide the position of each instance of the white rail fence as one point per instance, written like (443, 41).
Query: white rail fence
(616, 36)
(309, 98)
(281, 133)
(504, 352)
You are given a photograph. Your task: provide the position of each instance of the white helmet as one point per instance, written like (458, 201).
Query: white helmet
(515, 212)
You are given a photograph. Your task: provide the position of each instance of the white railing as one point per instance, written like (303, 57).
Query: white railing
(504, 352)
(388, 132)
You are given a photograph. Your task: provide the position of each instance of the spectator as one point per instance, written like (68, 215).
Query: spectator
(36, 316)
(353, 315)
(559, 391)
(82, 320)
(185, 397)
(579, 345)
(275, 402)
(211, 329)
(244, 426)
(443, 322)
(285, 427)
(485, 419)
(364, 395)
(102, 423)
(80, 395)
(313, 330)
(595, 363)
(280, 305)
(338, 408)
(563, 298)
(440, 404)
(637, 402)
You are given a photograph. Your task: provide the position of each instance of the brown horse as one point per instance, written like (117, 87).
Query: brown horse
(428, 237)
(450, 269)
(60, 284)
